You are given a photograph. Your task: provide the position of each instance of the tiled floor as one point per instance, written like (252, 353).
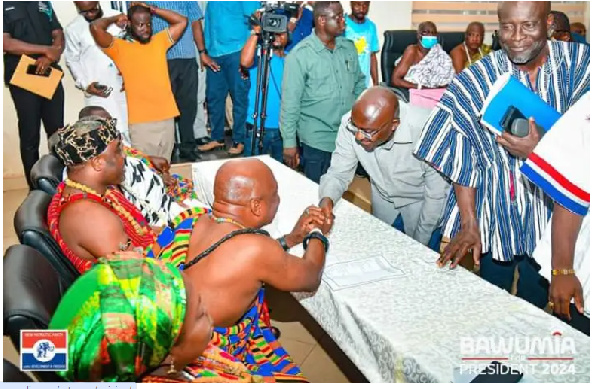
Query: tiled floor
(301, 336)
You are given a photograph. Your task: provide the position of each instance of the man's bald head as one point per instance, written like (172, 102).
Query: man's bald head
(375, 113)
(248, 189)
(375, 103)
(238, 181)
(545, 6)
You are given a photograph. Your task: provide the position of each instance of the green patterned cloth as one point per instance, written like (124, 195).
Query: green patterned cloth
(122, 316)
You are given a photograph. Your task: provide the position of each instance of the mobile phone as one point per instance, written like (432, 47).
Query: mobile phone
(515, 123)
(512, 113)
(498, 373)
(32, 70)
(520, 128)
(103, 88)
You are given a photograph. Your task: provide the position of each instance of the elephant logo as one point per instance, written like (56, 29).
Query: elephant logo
(44, 350)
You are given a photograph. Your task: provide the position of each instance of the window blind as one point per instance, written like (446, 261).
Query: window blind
(456, 15)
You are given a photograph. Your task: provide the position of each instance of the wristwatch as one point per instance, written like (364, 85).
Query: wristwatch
(202, 51)
(283, 244)
(316, 235)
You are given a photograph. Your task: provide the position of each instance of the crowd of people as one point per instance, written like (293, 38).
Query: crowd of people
(172, 290)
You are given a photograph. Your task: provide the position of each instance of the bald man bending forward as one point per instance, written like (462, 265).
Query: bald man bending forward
(380, 133)
(230, 260)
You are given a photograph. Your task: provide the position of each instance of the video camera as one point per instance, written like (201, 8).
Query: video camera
(275, 16)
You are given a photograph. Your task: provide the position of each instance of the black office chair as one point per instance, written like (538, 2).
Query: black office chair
(32, 291)
(47, 173)
(394, 44)
(31, 226)
(449, 40)
(11, 373)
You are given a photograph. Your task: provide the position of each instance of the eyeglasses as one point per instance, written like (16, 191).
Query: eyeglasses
(91, 10)
(369, 135)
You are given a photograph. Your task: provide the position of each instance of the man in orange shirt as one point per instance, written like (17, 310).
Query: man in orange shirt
(142, 60)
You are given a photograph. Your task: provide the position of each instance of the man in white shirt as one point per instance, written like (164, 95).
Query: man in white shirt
(560, 165)
(92, 69)
(380, 133)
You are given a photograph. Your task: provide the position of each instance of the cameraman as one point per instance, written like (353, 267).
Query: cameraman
(272, 142)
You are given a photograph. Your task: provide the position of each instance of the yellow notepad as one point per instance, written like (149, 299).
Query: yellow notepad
(40, 85)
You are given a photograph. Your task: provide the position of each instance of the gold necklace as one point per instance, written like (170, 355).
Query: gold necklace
(110, 200)
(81, 187)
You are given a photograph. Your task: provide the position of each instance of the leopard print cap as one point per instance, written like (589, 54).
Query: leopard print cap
(86, 139)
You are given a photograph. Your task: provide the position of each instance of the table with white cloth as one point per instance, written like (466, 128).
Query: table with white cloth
(419, 323)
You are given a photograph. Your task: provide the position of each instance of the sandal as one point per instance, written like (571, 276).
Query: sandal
(237, 149)
(212, 146)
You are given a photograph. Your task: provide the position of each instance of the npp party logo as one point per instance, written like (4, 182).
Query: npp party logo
(44, 350)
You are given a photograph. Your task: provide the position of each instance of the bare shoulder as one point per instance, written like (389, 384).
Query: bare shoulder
(259, 242)
(458, 50)
(84, 213)
(411, 50)
(259, 249)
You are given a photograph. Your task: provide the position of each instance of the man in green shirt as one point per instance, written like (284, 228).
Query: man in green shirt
(322, 79)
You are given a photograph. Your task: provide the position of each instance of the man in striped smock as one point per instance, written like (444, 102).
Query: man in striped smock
(494, 211)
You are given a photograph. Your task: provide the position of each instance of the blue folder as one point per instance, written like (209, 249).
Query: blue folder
(508, 91)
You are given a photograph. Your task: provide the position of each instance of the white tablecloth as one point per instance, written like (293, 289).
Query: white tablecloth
(410, 328)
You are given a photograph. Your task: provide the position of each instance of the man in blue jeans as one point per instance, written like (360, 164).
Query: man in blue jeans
(272, 142)
(226, 28)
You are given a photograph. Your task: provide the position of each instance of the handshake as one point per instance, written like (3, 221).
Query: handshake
(313, 217)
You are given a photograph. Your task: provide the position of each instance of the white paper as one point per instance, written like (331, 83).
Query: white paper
(355, 273)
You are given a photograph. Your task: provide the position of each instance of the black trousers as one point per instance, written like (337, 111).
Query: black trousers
(316, 162)
(578, 321)
(184, 83)
(32, 110)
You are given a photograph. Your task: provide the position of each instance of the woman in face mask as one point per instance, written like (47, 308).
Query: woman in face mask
(424, 65)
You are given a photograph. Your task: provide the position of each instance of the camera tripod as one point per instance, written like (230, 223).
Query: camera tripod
(262, 89)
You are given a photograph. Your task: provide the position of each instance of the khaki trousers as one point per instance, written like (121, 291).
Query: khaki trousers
(154, 138)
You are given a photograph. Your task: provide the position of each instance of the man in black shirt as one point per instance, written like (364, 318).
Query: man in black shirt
(31, 28)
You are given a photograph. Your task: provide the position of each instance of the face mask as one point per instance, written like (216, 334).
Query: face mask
(428, 41)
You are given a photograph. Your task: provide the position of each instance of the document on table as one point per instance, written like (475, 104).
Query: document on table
(355, 273)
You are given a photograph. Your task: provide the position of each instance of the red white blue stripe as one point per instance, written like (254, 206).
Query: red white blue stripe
(556, 185)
